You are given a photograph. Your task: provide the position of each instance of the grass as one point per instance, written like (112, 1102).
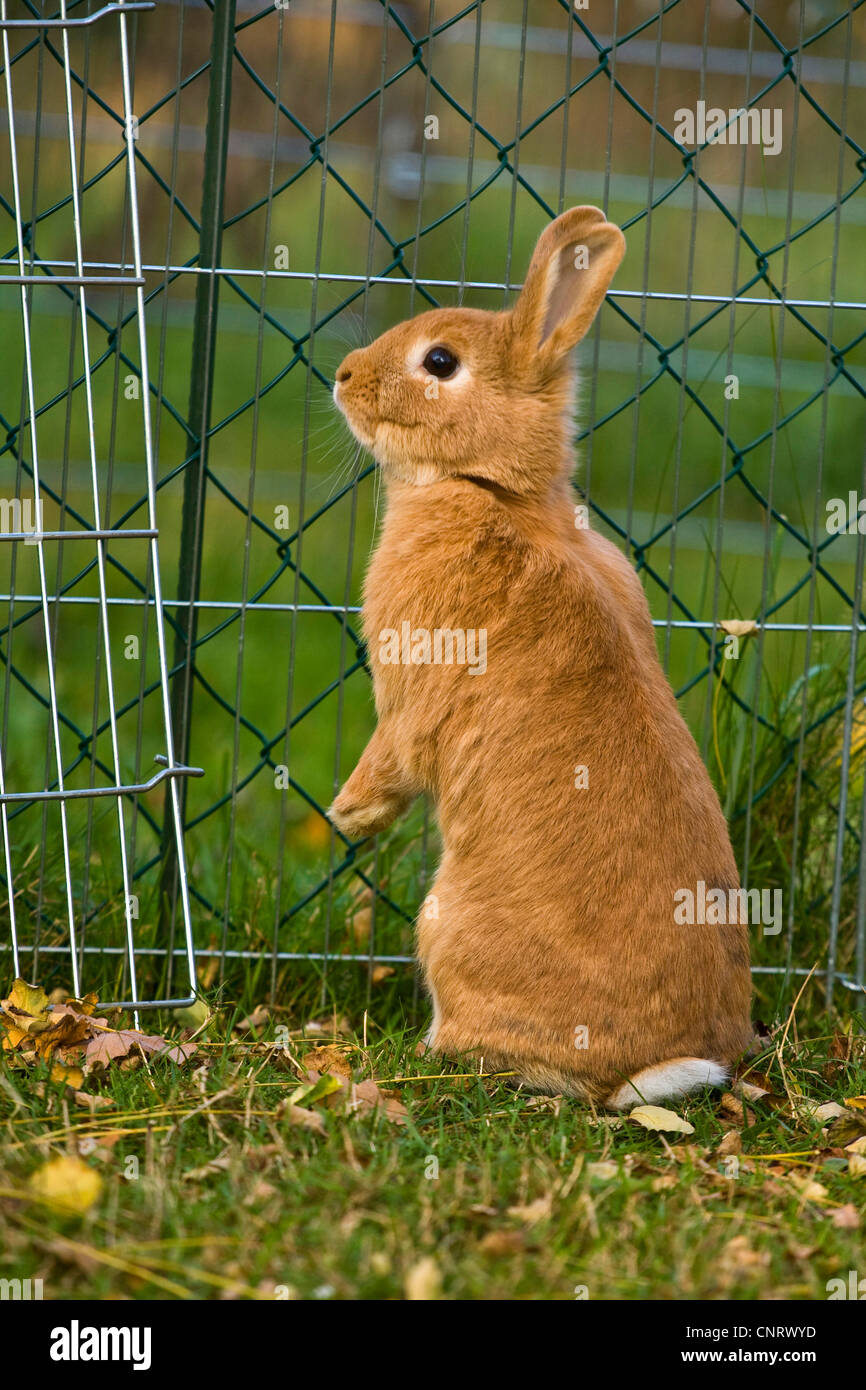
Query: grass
(485, 1192)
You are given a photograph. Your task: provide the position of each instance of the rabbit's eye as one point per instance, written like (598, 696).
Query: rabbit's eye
(440, 362)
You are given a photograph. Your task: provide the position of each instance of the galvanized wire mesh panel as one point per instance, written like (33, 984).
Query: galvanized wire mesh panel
(311, 173)
(74, 772)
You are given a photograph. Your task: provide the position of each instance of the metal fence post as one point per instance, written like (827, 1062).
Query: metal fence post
(198, 419)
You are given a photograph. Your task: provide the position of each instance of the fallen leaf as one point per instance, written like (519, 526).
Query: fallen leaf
(738, 1256)
(306, 1119)
(221, 1164)
(25, 999)
(730, 1143)
(809, 1189)
(367, 1094)
(192, 1016)
(315, 1088)
(330, 1058)
(99, 1144)
(840, 1054)
(800, 1252)
(605, 1170)
(538, 1210)
(256, 1021)
(111, 1044)
(499, 1243)
(846, 1128)
(261, 1191)
(750, 1092)
(67, 1029)
(666, 1180)
(13, 1036)
(68, 1185)
(847, 1218)
(856, 1102)
(86, 1101)
(831, 1110)
(423, 1282)
(86, 1005)
(24, 1013)
(856, 1166)
(730, 1108)
(551, 1103)
(358, 1096)
(656, 1118)
(334, 1027)
(380, 973)
(69, 1076)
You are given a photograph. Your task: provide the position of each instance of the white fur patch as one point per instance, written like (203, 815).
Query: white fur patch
(667, 1081)
(430, 1039)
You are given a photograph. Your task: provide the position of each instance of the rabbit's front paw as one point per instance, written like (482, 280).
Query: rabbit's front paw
(357, 821)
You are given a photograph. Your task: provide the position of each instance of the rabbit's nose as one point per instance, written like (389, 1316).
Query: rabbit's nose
(343, 374)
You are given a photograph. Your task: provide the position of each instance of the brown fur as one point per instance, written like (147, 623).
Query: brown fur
(555, 905)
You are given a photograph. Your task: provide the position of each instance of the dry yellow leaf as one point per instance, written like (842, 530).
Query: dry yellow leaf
(532, 1211)
(730, 1143)
(27, 999)
(330, 1058)
(68, 1185)
(85, 1005)
(656, 1117)
(12, 1034)
(605, 1170)
(423, 1281)
(70, 1076)
(662, 1183)
(811, 1191)
(25, 1011)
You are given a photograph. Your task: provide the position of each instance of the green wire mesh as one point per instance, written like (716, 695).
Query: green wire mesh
(297, 206)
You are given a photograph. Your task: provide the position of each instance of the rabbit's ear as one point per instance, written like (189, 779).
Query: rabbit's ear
(571, 268)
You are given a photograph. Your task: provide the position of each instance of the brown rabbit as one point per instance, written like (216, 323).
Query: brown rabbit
(517, 683)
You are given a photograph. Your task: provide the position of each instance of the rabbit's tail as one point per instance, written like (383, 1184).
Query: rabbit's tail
(667, 1081)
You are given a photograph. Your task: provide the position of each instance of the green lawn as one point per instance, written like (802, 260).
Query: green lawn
(211, 1185)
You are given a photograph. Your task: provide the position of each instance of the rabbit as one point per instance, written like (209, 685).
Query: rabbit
(572, 801)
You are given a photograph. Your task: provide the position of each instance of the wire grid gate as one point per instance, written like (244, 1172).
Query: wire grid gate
(262, 892)
(25, 525)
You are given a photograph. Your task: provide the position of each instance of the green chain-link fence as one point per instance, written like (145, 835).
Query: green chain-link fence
(311, 171)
